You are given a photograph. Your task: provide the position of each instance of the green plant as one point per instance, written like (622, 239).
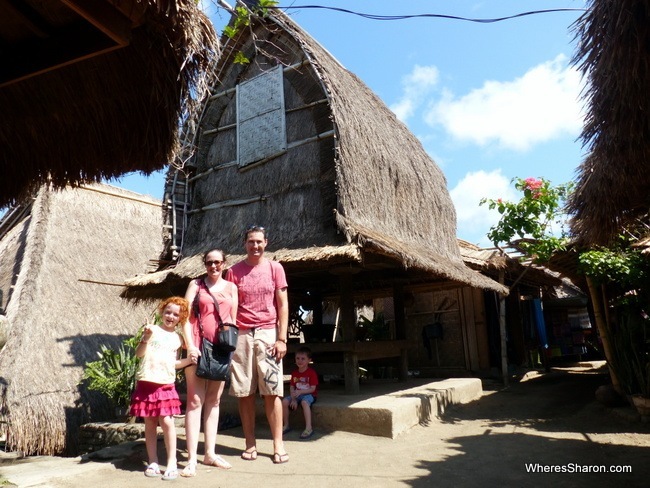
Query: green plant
(113, 374)
(533, 216)
(631, 359)
(375, 329)
(243, 19)
(626, 267)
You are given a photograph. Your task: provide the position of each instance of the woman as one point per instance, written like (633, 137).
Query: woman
(206, 394)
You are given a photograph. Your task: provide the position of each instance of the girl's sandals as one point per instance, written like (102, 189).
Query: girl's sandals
(152, 471)
(306, 434)
(189, 470)
(249, 455)
(280, 458)
(171, 473)
(219, 462)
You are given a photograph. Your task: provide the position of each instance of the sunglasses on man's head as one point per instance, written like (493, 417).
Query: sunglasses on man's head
(215, 263)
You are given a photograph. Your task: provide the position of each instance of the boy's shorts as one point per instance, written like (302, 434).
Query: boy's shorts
(309, 398)
(253, 368)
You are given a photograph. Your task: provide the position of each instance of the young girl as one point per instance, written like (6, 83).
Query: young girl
(155, 397)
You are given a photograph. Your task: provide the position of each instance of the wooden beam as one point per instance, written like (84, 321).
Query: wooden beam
(20, 14)
(104, 17)
(61, 49)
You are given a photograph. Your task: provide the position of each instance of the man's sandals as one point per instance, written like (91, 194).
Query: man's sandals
(249, 455)
(280, 458)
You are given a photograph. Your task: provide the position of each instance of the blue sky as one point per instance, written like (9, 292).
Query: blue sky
(488, 101)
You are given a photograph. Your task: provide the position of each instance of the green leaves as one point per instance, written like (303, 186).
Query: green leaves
(243, 16)
(113, 374)
(240, 58)
(626, 266)
(533, 216)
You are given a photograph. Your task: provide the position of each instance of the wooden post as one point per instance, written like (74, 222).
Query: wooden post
(502, 331)
(348, 326)
(602, 324)
(400, 330)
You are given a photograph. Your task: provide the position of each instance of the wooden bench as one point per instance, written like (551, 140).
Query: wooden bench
(350, 353)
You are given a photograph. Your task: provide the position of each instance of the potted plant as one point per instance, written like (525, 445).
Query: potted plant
(372, 330)
(113, 374)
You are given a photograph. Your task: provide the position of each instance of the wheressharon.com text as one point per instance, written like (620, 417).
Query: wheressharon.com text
(576, 468)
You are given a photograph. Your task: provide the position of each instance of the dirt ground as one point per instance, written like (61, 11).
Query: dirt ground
(551, 421)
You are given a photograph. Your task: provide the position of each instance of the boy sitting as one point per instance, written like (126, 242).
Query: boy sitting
(303, 391)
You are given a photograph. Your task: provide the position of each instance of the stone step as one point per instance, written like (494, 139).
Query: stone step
(384, 409)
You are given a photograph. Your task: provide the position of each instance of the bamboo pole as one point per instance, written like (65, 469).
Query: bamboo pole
(602, 325)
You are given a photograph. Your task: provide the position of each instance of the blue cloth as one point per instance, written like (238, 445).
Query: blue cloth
(538, 315)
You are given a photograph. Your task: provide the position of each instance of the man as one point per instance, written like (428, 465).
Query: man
(262, 318)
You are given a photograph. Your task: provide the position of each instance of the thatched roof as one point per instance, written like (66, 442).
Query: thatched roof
(518, 270)
(61, 267)
(613, 185)
(362, 185)
(92, 90)
(366, 247)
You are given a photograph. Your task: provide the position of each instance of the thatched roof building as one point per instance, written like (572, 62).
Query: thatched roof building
(516, 270)
(92, 90)
(297, 143)
(63, 258)
(613, 187)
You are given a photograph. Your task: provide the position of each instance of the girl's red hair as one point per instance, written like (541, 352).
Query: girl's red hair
(182, 304)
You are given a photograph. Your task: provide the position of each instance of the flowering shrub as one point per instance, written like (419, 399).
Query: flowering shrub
(533, 216)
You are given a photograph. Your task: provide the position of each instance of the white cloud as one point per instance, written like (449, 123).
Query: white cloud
(474, 220)
(539, 106)
(416, 86)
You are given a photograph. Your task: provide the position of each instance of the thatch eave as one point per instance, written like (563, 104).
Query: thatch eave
(61, 267)
(123, 103)
(613, 182)
(157, 285)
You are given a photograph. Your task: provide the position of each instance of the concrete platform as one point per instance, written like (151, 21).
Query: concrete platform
(384, 409)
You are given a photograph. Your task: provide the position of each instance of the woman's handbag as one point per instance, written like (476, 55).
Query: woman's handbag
(228, 334)
(212, 364)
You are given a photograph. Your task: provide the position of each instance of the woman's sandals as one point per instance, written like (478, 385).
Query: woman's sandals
(218, 462)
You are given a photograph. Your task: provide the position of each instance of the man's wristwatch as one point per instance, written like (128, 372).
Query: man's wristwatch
(283, 340)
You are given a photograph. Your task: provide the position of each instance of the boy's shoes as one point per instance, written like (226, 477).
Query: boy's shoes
(306, 434)
(286, 430)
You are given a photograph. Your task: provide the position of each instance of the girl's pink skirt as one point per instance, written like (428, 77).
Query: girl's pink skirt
(154, 400)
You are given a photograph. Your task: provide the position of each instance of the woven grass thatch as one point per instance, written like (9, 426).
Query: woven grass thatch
(61, 267)
(613, 187)
(353, 177)
(112, 113)
(491, 262)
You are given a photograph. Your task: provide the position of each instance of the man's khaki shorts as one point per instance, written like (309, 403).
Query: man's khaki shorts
(253, 368)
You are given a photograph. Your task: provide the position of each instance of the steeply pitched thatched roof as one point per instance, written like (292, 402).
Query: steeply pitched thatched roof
(370, 189)
(61, 265)
(613, 186)
(91, 90)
